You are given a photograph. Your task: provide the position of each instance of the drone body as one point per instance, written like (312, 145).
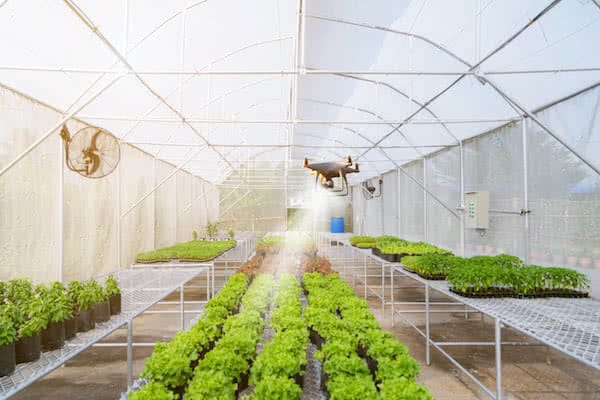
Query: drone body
(327, 171)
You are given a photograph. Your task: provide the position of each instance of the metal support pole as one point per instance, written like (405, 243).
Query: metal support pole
(525, 188)
(424, 200)
(498, 332)
(382, 290)
(427, 339)
(181, 307)
(129, 353)
(61, 210)
(207, 284)
(212, 279)
(392, 297)
(462, 198)
(365, 273)
(118, 215)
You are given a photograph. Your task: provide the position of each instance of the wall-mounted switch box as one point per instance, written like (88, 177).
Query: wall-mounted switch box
(477, 210)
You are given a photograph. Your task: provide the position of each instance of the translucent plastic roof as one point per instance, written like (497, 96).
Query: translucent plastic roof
(217, 84)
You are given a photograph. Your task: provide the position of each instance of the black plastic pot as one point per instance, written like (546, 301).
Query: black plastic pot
(70, 327)
(101, 311)
(7, 359)
(85, 320)
(53, 337)
(115, 304)
(28, 349)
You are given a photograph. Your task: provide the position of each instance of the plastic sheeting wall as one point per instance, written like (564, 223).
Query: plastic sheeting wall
(563, 193)
(30, 201)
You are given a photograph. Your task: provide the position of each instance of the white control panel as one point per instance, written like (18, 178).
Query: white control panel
(477, 210)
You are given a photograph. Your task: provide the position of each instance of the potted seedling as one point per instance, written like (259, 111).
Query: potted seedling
(101, 305)
(72, 324)
(8, 335)
(58, 308)
(85, 300)
(114, 294)
(28, 345)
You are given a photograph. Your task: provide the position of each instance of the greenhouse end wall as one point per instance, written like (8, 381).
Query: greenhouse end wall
(30, 198)
(563, 194)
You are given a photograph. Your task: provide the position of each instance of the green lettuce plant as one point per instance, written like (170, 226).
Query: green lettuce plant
(167, 366)
(403, 389)
(352, 388)
(209, 384)
(277, 388)
(152, 391)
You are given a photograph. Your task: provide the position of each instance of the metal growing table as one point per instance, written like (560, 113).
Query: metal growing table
(569, 325)
(141, 288)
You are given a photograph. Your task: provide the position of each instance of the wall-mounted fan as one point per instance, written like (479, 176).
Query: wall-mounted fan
(92, 152)
(369, 190)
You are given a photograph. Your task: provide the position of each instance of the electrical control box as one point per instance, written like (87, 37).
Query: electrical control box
(477, 210)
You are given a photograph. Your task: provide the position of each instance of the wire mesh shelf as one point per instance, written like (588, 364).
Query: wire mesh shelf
(571, 326)
(140, 290)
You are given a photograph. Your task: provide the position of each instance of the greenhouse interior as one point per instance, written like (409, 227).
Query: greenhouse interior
(300, 199)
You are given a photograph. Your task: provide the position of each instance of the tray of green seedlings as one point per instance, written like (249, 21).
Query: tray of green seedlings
(395, 251)
(507, 276)
(193, 251)
(362, 242)
(386, 246)
(432, 266)
(359, 360)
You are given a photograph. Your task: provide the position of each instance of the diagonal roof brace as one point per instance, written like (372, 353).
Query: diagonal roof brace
(94, 28)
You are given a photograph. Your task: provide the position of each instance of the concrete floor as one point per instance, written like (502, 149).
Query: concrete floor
(101, 373)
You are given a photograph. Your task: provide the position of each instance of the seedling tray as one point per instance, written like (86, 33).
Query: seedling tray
(426, 276)
(486, 295)
(539, 295)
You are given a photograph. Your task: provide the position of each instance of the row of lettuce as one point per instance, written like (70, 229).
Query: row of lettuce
(359, 359)
(479, 276)
(36, 318)
(217, 358)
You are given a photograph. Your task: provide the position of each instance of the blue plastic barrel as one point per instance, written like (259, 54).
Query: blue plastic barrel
(337, 224)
